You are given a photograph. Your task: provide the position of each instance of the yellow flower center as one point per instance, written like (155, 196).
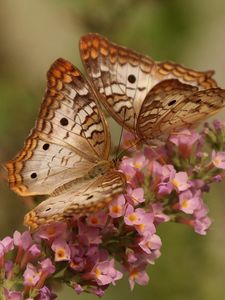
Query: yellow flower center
(137, 165)
(51, 231)
(141, 227)
(60, 253)
(133, 273)
(217, 161)
(94, 220)
(132, 217)
(184, 203)
(97, 272)
(116, 209)
(176, 183)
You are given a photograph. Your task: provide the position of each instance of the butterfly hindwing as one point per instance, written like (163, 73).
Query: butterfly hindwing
(172, 105)
(86, 197)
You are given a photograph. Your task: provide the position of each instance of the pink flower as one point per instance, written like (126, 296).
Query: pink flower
(12, 295)
(180, 181)
(61, 249)
(164, 188)
(138, 161)
(128, 170)
(159, 216)
(139, 276)
(184, 140)
(130, 256)
(117, 207)
(51, 231)
(189, 202)
(132, 217)
(136, 196)
(7, 242)
(202, 222)
(78, 288)
(47, 266)
(46, 294)
(23, 240)
(145, 224)
(150, 242)
(218, 159)
(218, 125)
(31, 275)
(78, 263)
(201, 225)
(98, 219)
(88, 234)
(104, 273)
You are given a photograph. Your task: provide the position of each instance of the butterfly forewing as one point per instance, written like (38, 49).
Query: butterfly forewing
(69, 138)
(124, 77)
(121, 76)
(42, 166)
(70, 114)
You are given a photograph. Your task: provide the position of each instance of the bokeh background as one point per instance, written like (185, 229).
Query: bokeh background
(34, 33)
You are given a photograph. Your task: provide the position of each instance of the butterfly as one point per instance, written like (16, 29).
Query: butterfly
(151, 99)
(66, 156)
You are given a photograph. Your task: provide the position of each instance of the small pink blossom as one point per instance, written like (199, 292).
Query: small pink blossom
(7, 242)
(88, 234)
(139, 161)
(132, 217)
(105, 273)
(150, 242)
(61, 249)
(51, 231)
(189, 202)
(136, 196)
(12, 295)
(218, 125)
(98, 219)
(117, 207)
(46, 294)
(138, 276)
(159, 215)
(23, 240)
(145, 224)
(31, 275)
(180, 181)
(185, 140)
(164, 188)
(202, 225)
(218, 159)
(47, 266)
(78, 288)
(128, 170)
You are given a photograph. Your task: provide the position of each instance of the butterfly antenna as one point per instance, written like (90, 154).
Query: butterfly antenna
(118, 147)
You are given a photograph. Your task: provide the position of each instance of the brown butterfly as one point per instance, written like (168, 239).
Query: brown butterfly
(148, 98)
(66, 156)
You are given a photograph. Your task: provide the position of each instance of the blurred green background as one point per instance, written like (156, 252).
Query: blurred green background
(34, 33)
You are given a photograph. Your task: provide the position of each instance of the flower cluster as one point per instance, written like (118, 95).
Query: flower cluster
(163, 184)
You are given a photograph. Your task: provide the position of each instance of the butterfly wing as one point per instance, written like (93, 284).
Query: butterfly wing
(69, 137)
(123, 77)
(172, 105)
(87, 197)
